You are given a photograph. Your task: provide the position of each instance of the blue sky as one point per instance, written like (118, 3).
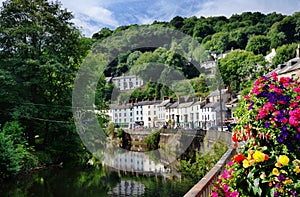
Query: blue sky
(92, 15)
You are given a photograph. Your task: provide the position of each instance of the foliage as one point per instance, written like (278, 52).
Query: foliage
(237, 65)
(258, 44)
(152, 140)
(120, 133)
(268, 125)
(13, 149)
(284, 53)
(40, 53)
(196, 168)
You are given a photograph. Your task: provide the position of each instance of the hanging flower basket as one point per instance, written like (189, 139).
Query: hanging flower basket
(268, 132)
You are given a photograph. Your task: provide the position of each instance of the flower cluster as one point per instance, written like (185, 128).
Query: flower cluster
(268, 126)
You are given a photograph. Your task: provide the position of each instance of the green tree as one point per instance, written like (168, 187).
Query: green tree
(219, 42)
(258, 44)
(283, 54)
(41, 50)
(13, 149)
(240, 66)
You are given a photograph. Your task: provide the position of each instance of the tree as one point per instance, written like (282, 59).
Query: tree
(219, 42)
(240, 66)
(41, 50)
(284, 53)
(258, 44)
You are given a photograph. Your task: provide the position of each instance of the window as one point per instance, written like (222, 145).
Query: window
(137, 112)
(125, 114)
(120, 114)
(154, 112)
(149, 113)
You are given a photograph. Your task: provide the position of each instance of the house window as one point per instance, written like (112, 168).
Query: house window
(149, 113)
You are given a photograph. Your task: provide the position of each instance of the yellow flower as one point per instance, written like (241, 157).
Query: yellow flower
(283, 159)
(297, 169)
(277, 164)
(246, 163)
(259, 156)
(288, 181)
(275, 171)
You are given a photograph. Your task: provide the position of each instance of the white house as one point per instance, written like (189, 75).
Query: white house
(138, 114)
(122, 115)
(150, 113)
(164, 112)
(127, 82)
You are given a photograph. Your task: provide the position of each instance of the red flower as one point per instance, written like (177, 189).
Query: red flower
(234, 138)
(239, 158)
(266, 157)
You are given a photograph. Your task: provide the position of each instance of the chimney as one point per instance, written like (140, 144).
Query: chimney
(207, 100)
(298, 51)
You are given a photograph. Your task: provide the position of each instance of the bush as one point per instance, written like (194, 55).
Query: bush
(152, 141)
(13, 150)
(196, 168)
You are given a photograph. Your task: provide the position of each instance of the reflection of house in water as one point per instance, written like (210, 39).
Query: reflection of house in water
(137, 162)
(140, 163)
(128, 188)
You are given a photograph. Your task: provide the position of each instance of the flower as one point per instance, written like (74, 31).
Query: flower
(246, 163)
(283, 159)
(258, 156)
(297, 169)
(275, 171)
(239, 158)
(269, 128)
(225, 188)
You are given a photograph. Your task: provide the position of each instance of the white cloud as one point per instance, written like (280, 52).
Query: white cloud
(229, 7)
(92, 15)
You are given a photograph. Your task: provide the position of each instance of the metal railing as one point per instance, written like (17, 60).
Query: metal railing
(204, 186)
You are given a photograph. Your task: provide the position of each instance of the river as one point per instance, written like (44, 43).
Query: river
(72, 180)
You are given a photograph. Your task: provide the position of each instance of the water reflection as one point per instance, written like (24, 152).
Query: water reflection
(128, 188)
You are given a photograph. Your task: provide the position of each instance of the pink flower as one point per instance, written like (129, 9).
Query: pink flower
(214, 194)
(284, 120)
(294, 104)
(225, 188)
(297, 98)
(262, 113)
(230, 163)
(284, 80)
(269, 106)
(225, 176)
(234, 194)
(274, 76)
(278, 91)
(297, 90)
(293, 121)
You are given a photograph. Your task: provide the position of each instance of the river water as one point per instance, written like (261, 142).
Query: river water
(146, 178)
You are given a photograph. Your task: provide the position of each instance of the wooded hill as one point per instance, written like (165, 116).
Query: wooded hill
(254, 34)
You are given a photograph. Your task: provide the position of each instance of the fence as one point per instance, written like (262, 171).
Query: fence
(204, 186)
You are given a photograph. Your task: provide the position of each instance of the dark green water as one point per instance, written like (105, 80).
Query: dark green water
(74, 181)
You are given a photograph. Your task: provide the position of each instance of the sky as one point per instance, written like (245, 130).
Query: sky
(92, 15)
